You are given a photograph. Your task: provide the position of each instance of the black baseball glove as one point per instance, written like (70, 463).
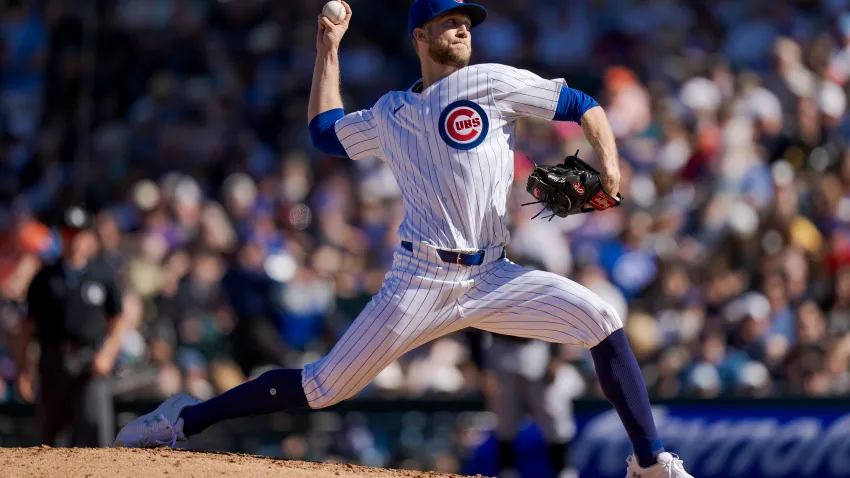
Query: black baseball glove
(570, 188)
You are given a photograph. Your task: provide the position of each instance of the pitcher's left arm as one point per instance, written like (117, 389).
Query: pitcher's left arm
(521, 93)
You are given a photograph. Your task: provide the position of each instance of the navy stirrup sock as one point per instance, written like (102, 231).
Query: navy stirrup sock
(623, 385)
(273, 391)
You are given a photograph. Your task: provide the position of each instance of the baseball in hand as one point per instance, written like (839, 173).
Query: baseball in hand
(334, 11)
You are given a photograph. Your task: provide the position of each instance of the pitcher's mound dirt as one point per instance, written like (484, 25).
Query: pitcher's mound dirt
(122, 462)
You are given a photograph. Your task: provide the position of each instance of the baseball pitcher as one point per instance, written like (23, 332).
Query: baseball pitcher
(449, 140)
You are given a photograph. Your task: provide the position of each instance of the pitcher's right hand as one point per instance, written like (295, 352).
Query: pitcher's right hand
(330, 35)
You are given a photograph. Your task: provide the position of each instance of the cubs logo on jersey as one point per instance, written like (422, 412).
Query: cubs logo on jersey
(464, 125)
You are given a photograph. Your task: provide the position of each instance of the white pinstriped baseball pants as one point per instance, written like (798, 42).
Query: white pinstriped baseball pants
(423, 298)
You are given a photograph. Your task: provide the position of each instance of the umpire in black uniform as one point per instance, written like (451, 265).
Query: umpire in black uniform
(74, 313)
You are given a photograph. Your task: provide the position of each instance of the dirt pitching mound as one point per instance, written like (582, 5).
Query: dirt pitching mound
(122, 462)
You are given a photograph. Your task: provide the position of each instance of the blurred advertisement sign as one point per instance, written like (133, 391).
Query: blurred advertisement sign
(727, 440)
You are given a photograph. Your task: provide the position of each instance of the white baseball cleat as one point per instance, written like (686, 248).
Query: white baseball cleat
(160, 427)
(667, 466)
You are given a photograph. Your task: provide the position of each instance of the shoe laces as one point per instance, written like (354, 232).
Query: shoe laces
(157, 426)
(675, 466)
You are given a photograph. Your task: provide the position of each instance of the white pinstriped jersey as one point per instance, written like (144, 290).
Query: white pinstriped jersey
(451, 150)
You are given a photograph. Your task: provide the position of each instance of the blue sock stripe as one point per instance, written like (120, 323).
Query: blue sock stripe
(657, 447)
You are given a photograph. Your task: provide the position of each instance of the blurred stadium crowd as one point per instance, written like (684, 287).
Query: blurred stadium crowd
(240, 248)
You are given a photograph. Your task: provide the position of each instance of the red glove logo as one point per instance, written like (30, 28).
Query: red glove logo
(602, 201)
(578, 187)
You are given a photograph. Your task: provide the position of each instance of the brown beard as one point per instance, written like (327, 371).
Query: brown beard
(444, 55)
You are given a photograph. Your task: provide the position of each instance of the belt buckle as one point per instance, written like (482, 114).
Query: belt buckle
(457, 262)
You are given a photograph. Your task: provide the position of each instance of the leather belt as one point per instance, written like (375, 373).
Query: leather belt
(467, 259)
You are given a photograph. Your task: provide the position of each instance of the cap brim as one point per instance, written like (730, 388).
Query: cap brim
(477, 13)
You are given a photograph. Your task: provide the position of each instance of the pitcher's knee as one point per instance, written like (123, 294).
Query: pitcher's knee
(608, 321)
(323, 387)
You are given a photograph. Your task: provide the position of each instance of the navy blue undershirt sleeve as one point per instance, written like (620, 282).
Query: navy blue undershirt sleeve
(572, 105)
(323, 133)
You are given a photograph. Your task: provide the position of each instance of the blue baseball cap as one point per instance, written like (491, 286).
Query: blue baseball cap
(423, 11)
